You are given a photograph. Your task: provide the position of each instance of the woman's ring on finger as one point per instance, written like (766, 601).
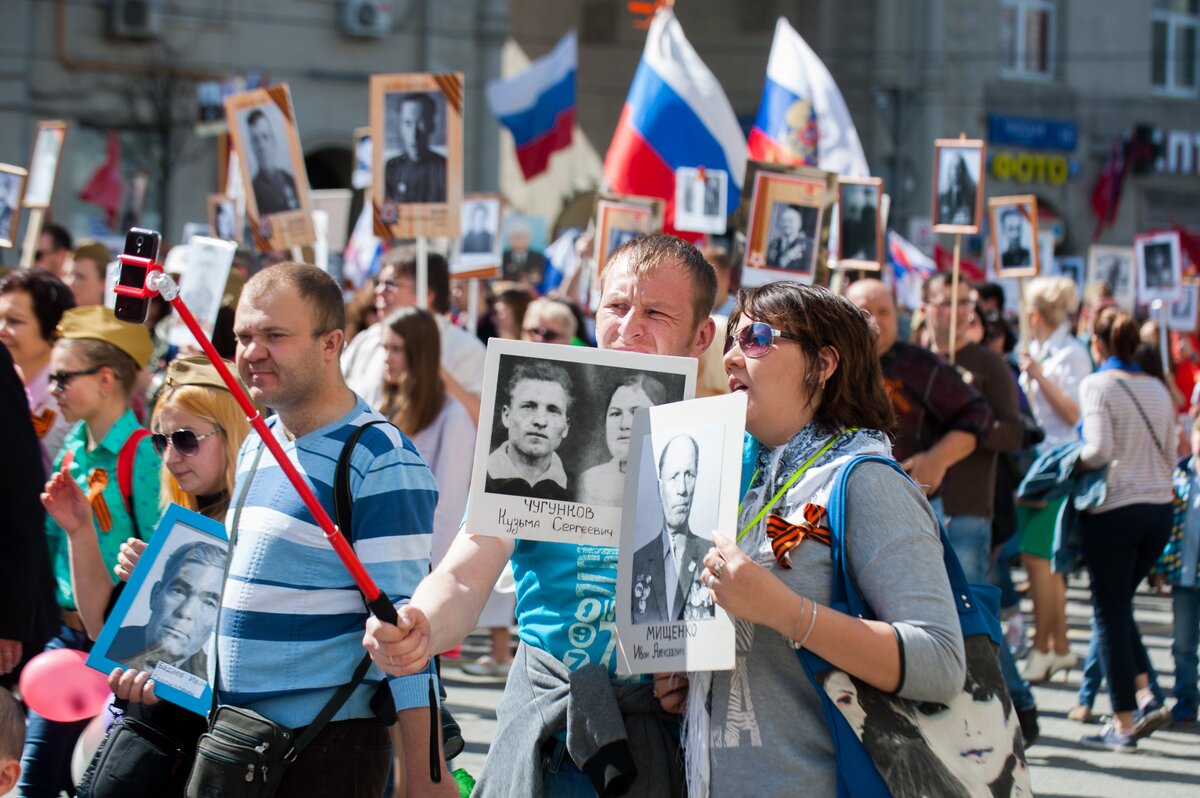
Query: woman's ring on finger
(720, 569)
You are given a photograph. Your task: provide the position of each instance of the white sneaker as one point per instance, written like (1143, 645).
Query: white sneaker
(486, 666)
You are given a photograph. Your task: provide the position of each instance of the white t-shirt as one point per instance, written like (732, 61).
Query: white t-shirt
(1065, 362)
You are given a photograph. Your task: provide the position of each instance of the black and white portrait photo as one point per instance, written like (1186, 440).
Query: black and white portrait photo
(1181, 314)
(164, 620)
(860, 239)
(479, 247)
(701, 196)
(555, 424)
(1015, 239)
(415, 147)
(43, 164)
(1113, 266)
(269, 159)
(791, 238)
(222, 217)
(521, 261)
(684, 475)
(479, 227)
(958, 190)
(667, 568)
(1159, 266)
(11, 178)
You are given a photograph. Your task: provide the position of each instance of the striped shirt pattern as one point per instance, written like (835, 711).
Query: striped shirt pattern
(1115, 433)
(292, 619)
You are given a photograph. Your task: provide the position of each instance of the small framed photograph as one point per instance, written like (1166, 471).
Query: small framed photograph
(478, 253)
(262, 126)
(1015, 235)
(12, 183)
(683, 478)
(958, 185)
(222, 217)
(621, 218)
(524, 241)
(43, 163)
(1113, 266)
(360, 178)
(1159, 266)
(786, 217)
(554, 432)
(860, 237)
(416, 153)
(163, 622)
(202, 266)
(701, 200)
(1181, 314)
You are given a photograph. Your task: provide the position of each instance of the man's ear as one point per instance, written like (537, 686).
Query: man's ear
(704, 337)
(335, 341)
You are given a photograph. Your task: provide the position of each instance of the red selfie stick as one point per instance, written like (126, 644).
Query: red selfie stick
(377, 600)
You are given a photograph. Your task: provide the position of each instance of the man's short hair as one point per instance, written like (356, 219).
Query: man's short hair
(314, 286)
(403, 261)
(12, 727)
(662, 455)
(428, 109)
(59, 235)
(647, 253)
(256, 115)
(540, 371)
(937, 280)
(199, 552)
(1007, 214)
(991, 292)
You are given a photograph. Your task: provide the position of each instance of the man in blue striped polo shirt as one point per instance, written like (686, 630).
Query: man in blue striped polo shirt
(292, 620)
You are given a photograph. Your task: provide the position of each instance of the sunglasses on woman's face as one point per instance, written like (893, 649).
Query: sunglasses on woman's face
(61, 379)
(755, 339)
(184, 441)
(543, 335)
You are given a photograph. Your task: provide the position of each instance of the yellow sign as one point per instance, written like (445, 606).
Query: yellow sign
(1030, 167)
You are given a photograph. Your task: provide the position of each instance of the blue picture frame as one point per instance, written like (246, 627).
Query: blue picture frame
(154, 615)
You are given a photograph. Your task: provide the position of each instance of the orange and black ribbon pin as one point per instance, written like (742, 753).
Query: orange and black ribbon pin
(43, 421)
(785, 536)
(97, 482)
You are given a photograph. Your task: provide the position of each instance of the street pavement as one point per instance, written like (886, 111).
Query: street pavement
(1166, 765)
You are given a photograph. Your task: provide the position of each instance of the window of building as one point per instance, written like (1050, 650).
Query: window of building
(1027, 38)
(1175, 27)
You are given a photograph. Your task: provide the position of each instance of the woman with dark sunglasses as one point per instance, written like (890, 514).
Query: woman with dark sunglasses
(805, 360)
(197, 429)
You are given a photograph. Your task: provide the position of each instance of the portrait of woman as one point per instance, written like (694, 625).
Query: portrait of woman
(603, 484)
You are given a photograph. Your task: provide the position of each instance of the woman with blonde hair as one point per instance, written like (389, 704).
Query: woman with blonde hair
(1053, 367)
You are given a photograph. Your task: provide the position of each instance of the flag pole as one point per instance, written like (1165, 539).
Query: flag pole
(954, 297)
(422, 273)
(33, 230)
(473, 304)
(1022, 317)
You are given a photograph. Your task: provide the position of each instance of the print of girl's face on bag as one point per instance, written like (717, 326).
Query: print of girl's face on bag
(844, 694)
(975, 740)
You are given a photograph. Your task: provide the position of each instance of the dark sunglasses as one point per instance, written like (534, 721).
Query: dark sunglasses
(755, 339)
(544, 334)
(184, 441)
(61, 379)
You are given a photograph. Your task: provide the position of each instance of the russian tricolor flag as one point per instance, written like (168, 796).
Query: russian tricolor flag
(910, 269)
(676, 114)
(538, 105)
(803, 118)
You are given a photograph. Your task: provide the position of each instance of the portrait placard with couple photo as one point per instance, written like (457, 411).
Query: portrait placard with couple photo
(554, 431)
(163, 622)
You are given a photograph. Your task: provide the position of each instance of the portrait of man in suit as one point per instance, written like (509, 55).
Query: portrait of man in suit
(1015, 254)
(666, 571)
(478, 238)
(789, 245)
(274, 186)
(417, 174)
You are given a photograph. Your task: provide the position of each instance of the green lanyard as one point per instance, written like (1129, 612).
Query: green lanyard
(791, 481)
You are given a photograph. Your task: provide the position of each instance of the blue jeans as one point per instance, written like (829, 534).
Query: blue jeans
(46, 760)
(971, 538)
(1002, 572)
(561, 777)
(1186, 602)
(1018, 688)
(1093, 671)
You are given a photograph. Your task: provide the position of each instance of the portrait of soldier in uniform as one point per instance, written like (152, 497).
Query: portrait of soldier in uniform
(416, 174)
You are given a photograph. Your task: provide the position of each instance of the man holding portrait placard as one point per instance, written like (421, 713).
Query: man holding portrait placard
(656, 295)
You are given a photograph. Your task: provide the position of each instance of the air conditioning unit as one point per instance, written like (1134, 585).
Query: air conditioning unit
(135, 19)
(366, 19)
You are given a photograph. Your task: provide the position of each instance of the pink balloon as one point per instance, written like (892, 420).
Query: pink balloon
(59, 686)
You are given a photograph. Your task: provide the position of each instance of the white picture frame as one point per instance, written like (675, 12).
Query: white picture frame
(689, 466)
(1159, 266)
(204, 265)
(701, 198)
(1114, 266)
(1182, 313)
(551, 403)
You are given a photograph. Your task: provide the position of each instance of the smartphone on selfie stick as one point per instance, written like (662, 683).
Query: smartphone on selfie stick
(138, 257)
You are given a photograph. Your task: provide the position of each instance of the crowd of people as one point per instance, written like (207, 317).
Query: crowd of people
(1073, 450)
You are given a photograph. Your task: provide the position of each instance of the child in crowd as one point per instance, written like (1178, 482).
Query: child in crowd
(1177, 567)
(12, 740)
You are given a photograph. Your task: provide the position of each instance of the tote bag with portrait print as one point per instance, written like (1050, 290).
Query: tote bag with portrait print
(889, 746)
